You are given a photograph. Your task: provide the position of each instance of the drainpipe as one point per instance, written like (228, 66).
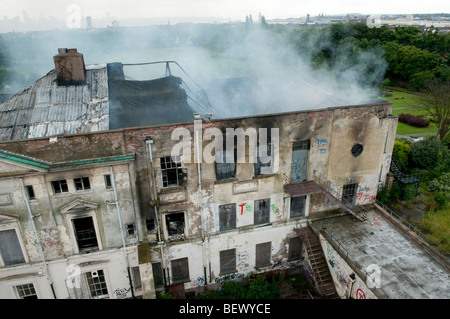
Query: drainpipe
(30, 214)
(149, 143)
(116, 199)
(201, 203)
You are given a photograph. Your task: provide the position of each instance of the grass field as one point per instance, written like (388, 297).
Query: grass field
(402, 99)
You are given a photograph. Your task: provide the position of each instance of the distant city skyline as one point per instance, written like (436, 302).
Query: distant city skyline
(26, 15)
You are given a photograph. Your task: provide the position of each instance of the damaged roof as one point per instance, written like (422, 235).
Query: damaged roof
(105, 101)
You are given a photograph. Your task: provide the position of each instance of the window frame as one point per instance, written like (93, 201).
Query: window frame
(293, 256)
(31, 195)
(233, 220)
(180, 279)
(164, 161)
(89, 285)
(223, 269)
(225, 172)
(258, 250)
(59, 191)
(14, 226)
(84, 182)
(18, 293)
(262, 220)
(174, 235)
(291, 216)
(258, 164)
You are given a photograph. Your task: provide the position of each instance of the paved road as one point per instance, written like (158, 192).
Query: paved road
(408, 107)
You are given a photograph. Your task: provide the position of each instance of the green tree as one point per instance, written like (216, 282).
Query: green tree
(438, 105)
(401, 153)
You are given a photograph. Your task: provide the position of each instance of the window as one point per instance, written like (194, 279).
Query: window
(295, 248)
(136, 274)
(298, 206)
(180, 270)
(227, 261)
(172, 174)
(158, 275)
(262, 161)
(225, 164)
(150, 224)
(107, 179)
(82, 183)
(349, 194)
(227, 217)
(262, 211)
(386, 142)
(357, 150)
(30, 192)
(175, 224)
(85, 234)
(60, 186)
(130, 229)
(97, 284)
(10, 249)
(301, 145)
(263, 254)
(26, 291)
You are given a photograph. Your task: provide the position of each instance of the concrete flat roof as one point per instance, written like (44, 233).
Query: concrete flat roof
(407, 270)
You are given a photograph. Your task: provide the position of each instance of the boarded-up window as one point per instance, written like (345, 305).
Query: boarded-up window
(136, 274)
(227, 261)
(180, 270)
(263, 254)
(264, 159)
(295, 248)
(157, 275)
(298, 206)
(227, 216)
(10, 249)
(225, 164)
(262, 211)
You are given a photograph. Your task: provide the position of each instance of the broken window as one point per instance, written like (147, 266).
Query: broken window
(227, 261)
(107, 179)
(150, 224)
(262, 211)
(349, 194)
(172, 174)
(301, 145)
(175, 224)
(295, 248)
(85, 234)
(225, 164)
(30, 192)
(263, 254)
(97, 284)
(227, 217)
(26, 291)
(298, 206)
(180, 270)
(82, 183)
(157, 275)
(60, 186)
(130, 229)
(10, 249)
(263, 161)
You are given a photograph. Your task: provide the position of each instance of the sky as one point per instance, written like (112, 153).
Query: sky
(227, 9)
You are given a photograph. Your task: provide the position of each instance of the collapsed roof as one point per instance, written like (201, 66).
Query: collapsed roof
(97, 98)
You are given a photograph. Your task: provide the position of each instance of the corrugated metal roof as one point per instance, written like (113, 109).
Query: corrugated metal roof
(45, 109)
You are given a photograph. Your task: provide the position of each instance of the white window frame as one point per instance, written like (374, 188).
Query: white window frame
(14, 225)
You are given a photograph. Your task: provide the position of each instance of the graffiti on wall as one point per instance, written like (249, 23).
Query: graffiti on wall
(228, 277)
(340, 273)
(322, 144)
(200, 281)
(365, 197)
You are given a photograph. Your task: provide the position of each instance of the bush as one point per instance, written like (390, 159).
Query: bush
(440, 184)
(430, 154)
(416, 121)
(441, 198)
(401, 153)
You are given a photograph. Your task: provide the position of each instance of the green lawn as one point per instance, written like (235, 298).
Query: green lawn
(404, 129)
(413, 110)
(401, 99)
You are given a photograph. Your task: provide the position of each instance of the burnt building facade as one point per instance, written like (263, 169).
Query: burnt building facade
(107, 200)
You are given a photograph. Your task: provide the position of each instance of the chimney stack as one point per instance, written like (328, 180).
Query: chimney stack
(69, 67)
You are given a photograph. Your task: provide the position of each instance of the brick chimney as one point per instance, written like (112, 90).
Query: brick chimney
(69, 67)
